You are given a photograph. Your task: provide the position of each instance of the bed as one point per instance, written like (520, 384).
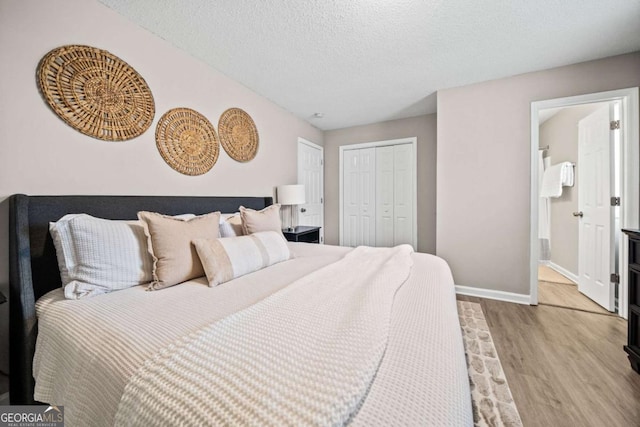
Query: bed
(421, 378)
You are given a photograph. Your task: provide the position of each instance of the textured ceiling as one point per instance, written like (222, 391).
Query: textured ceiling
(365, 61)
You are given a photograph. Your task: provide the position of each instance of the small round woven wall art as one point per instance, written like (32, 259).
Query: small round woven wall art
(95, 92)
(238, 134)
(187, 141)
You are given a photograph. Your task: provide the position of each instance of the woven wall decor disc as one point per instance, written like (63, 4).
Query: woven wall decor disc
(95, 92)
(187, 141)
(238, 134)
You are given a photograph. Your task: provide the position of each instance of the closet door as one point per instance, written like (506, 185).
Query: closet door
(403, 194)
(350, 198)
(359, 195)
(384, 196)
(367, 235)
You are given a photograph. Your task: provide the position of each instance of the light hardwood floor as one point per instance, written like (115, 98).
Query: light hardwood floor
(555, 289)
(564, 367)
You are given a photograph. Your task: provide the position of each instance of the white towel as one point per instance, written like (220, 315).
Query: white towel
(544, 214)
(555, 178)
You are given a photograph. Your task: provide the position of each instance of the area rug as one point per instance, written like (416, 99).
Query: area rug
(493, 404)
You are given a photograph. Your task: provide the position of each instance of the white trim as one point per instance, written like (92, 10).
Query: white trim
(630, 182)
(414, 143)
(566, 273)
(321, 148)
(492, 294)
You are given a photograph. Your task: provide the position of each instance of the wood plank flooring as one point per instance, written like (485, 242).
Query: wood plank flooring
(565, 295)
(564, 367)
(555, 289)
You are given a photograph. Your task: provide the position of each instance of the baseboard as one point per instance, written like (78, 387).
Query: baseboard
(544, 262)
(492, 294)
(566, 273)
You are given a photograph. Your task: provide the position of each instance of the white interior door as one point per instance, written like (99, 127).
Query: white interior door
(367, 190)
(359, 197)
(403, 194)
(596, 237)
(350, 197)
(384, 196)
(311, 175)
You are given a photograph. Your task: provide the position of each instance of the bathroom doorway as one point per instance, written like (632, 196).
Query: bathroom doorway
(564, 247)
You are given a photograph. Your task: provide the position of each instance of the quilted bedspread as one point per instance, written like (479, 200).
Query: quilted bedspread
(113, 359)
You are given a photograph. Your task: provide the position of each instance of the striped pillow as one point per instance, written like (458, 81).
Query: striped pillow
(230, 257)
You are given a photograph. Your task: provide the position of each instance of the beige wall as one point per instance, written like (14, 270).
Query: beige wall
(560, 133)
(422, 127)
(484, 167)
(40, 154)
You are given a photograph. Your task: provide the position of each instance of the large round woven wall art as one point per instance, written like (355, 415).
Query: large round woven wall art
(95, 92)
(238, 134)
(187, 141)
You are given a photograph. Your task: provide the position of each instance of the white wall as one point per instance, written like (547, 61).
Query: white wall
(422, 127)
(484, 167)
(40, 154)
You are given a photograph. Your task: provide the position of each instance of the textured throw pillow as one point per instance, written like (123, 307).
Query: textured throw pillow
(96, 256)
(227, 258)
(268, 219)
(230, 225)
(169, 240)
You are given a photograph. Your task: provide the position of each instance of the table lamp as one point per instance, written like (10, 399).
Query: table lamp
(291, 195)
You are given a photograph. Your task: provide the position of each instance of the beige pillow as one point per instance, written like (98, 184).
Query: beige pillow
(230, 257)
(268, 219)
(175, 260)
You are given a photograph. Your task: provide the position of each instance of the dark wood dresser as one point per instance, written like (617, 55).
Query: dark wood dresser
(633, 336)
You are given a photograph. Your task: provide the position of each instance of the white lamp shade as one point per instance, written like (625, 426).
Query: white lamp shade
(291, 194)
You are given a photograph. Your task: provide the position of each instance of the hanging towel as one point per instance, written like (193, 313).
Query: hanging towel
(555, 178)
(544, 219)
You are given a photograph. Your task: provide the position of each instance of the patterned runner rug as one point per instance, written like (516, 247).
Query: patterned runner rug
(493, 404)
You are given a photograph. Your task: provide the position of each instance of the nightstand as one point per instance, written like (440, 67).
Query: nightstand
(303, 233)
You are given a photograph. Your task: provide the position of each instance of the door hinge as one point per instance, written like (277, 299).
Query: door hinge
(614, 124)
(615, 278)
(615, 201)
(321, 200)
(321, 162)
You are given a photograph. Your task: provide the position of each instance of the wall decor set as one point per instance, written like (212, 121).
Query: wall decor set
(102, 96)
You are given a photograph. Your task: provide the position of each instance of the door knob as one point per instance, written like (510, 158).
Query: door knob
(303, 210)
(580, 214)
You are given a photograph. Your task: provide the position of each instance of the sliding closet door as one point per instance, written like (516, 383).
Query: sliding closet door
(378, 193)
(350, 199)
(403, 194)
(368, 197)
(384, 196)
(359, 195)
(394, 195)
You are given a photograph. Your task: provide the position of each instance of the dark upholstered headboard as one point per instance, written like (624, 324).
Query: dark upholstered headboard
(33, 268)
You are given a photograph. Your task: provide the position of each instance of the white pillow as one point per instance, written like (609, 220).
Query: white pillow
(227, 258)
(230, 225)
(96, 255)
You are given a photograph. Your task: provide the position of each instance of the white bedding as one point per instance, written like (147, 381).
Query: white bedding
(88, 349)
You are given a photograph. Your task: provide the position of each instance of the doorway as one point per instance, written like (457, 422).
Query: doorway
(576, 228)
(311, 175)
(624, 183)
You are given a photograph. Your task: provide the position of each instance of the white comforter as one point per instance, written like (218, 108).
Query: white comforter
(88, 350)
